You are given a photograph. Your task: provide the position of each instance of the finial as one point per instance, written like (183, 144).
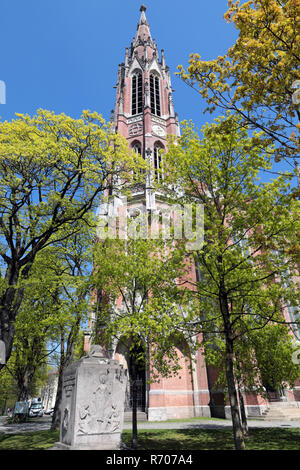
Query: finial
(163, 61)
(143, 19)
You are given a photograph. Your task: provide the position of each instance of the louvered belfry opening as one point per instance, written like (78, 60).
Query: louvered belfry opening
(154, 95)
(137, 94)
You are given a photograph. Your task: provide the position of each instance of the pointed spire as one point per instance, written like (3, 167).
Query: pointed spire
(143, 30)
(143, 19)
(143, 47)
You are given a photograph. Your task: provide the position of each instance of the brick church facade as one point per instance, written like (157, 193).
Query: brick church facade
(144, 114)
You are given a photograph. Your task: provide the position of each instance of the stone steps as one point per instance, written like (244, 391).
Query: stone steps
(280, 413)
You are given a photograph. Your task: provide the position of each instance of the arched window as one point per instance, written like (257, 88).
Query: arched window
(137, 94)
(136, 147)
(154, 95)
(158, 162)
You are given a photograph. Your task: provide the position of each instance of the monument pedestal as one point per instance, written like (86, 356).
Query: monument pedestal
(92, 409)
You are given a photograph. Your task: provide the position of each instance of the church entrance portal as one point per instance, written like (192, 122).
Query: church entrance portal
(133, 358)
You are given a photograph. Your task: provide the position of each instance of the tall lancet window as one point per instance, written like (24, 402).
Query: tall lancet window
(158, 162)
(137, 94)
(154, 95)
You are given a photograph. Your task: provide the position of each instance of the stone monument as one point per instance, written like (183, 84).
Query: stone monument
(92, 409)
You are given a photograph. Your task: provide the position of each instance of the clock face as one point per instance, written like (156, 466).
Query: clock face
(158, 130)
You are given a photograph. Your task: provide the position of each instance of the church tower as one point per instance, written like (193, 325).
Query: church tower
(144, 114)
(144, 110)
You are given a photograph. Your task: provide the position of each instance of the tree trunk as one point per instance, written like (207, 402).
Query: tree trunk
(65, 361)
(243, 410)
(3, 407)
(25, 373)
(11, 300)
(56, 417)
(234, 406)
(229, 361)
(243, 414)
(55, 424)
(7, 331)
(10, 303)
(23, 385)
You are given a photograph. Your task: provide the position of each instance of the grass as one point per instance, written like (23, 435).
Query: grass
(215, 439)
(172, 439)
(38, 440)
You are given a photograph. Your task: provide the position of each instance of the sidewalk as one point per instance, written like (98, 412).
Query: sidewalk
(37, 424)
(43, 424)
(211, 424)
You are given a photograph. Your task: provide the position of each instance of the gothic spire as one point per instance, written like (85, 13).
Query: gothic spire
(143, 34)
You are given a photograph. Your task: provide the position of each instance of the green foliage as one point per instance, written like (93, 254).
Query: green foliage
(249, 225)
(140, 296)
(263, 359)
(53, 170)
(247, 276)
(8, 390)
(29, 440)
(166, 439)
(273, 351)
(255, 78)
(213, 439)
(55, 300)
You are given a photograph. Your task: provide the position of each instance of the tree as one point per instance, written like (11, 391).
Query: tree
(263, 361)
(247, 227)
(138, 301)
(53, 170)
(8, 389)
(30, 352)
(71, 268)
(54, 307)
(273, 354)
(34, 324)
(257, 76)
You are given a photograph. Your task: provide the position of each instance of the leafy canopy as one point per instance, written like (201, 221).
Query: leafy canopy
(256, 77)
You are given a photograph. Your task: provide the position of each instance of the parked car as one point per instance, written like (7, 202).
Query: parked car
(36, 409)
(50, 411)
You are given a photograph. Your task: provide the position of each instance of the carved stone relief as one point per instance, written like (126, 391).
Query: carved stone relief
(135, 129)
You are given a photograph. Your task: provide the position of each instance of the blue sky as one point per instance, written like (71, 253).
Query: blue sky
(63, 55)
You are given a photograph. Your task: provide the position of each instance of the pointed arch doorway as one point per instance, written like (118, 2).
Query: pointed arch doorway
(133, 359)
